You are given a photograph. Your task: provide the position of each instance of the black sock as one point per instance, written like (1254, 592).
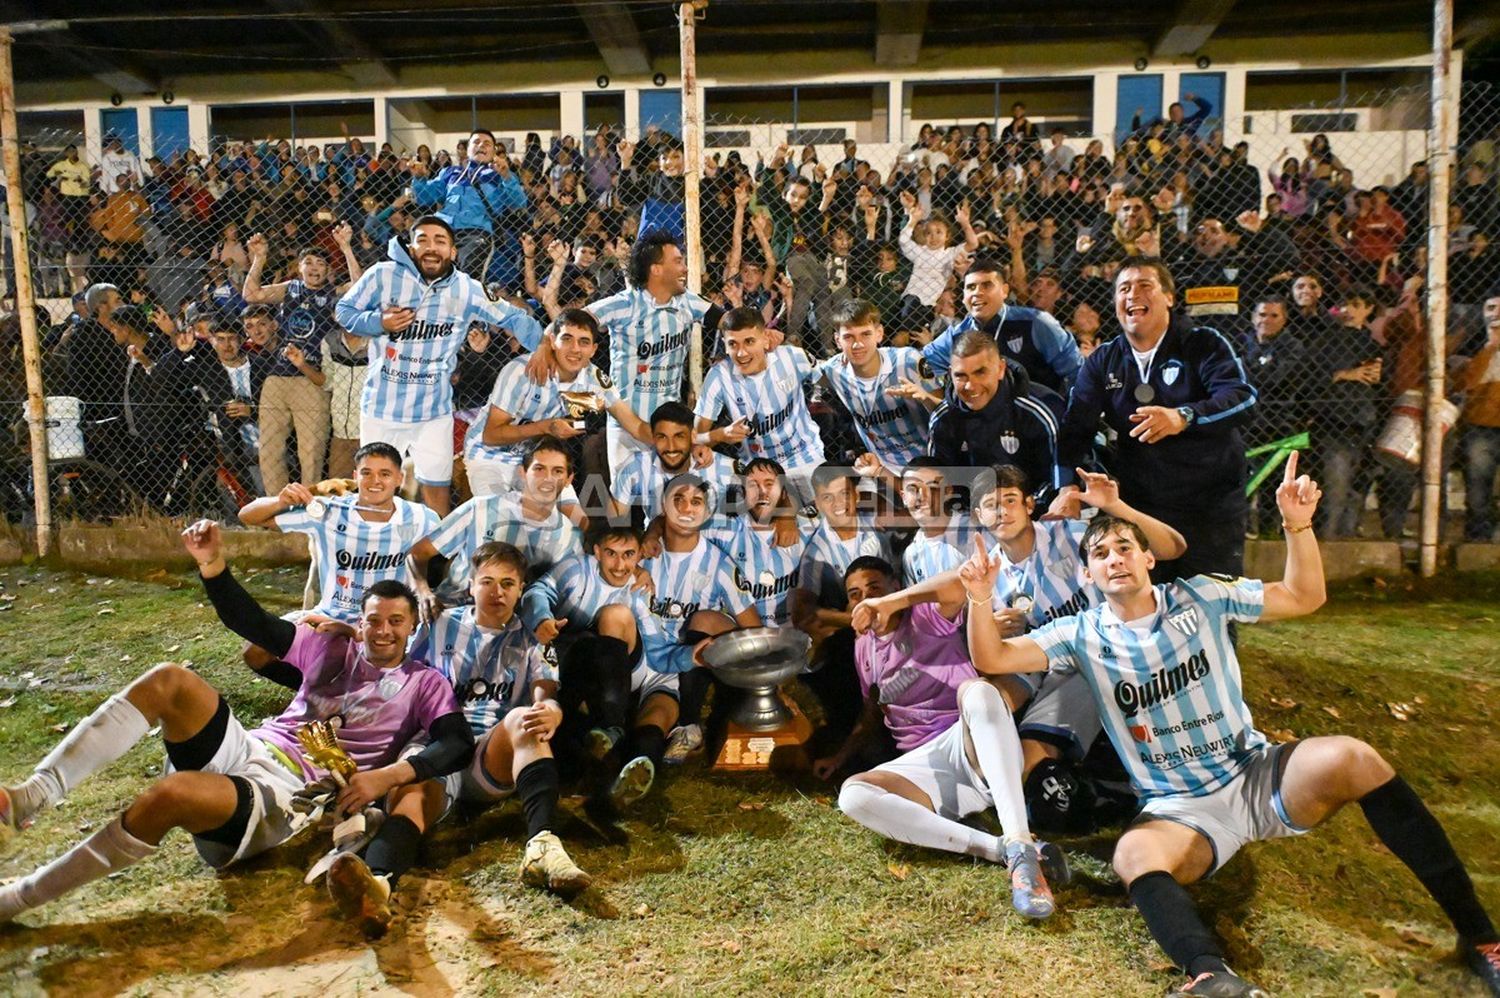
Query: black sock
(1410, 831)
(1175, 923)
(394, 848)
(536, 785)
(650, 741)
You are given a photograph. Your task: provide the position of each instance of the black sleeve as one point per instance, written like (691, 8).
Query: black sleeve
(451, 748)
(240, 613)
(711, 346)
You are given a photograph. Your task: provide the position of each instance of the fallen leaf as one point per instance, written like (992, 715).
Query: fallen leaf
(174, 648)
(1285, 703)
(823, 799)
(752, 805)
(1332, 712)
(60, 728)
(125, 658)
(730, 946)
(1419, 699)
(8, 702)
(642, 910)
(1161, 966)
(106, 610)
(1401, 711)
(1412, 937)
(1379, 992)
(899, 870)
(1281, 735)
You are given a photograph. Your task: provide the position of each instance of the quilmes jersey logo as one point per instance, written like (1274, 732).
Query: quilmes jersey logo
(1165, 684)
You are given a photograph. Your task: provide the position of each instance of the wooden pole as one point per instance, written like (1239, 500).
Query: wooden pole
(1439, 155)
(15, 197)
(692, 170)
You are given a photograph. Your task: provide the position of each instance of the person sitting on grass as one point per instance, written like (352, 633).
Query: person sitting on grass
(1167, 682)
(235, 790)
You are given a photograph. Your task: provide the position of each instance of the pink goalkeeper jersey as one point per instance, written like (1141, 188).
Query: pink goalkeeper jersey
(380, 710)
(918, 669)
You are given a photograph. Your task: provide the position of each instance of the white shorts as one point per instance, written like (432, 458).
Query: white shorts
(620, 446)
(272, 785)
(1062, 713)
(940, 768)
(1246, 809)
(645, 681)
(430, 444)
(496, 478)
(472, 784)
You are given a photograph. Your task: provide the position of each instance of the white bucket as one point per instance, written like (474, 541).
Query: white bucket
(1401, 440)
(64, 434)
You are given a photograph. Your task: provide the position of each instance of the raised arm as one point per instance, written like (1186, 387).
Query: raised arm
(1103, 493)
(236, 608)
(1302, 588)
(992, 654)
(253, 292)
(343, 235)
(261, 512)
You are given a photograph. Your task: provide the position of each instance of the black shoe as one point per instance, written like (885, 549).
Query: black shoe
(1054, 864)
(1484, 960)
(1221, 984)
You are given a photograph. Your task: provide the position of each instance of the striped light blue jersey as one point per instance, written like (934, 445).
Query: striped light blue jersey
(1169, 693)
(828, 556)
(689, 581)
(893, 429)
(928, 556)
(766, 572)
(492, 671)
(354, 553)
(500, 518)
(575, 590)
(1052, 581)
(772, 402)
(648, 344)
(641, 479)
(526, 402)
(410, 378)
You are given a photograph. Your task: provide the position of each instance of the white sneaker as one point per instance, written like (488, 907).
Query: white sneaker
(547, 864)
(686, 740)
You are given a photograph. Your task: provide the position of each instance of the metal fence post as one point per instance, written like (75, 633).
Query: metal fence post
(1438, 155)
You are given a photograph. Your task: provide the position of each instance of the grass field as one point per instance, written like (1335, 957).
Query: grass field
(747, 885)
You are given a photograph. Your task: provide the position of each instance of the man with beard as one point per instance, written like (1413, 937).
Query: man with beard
(1028, 336)
(1128, 227)
(417, 308)
(475, 195)
(1222, 271)
(292, 394)
(641, 483)
(765, 546)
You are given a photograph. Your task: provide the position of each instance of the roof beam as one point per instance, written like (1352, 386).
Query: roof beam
(1193, 25)
(898, 32)
(617, 38)
(365, 67)
(115, 70)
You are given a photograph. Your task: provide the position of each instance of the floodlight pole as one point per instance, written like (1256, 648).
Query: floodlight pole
(1439, 154)
(15, 197)
(692, 169)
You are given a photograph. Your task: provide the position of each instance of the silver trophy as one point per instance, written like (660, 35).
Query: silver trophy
(758, 660)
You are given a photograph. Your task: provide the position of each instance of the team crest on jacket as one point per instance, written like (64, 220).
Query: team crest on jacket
(1014, 343)
(1170, 372)
(605, 381)
(1010, 442)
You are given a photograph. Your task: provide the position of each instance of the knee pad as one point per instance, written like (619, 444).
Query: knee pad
(1059, 798)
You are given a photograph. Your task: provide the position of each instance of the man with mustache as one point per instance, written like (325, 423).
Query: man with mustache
(640, 484)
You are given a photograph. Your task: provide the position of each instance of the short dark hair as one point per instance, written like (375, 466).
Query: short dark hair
(483, 131)
(616, 531)
(672, 412)
(740, 318)
(975, 342)
(390, 589)
(827, 473)
(432, 219)
(378, 448)
(1103, 525)
(924, 461)
(546, 442)
(856, 312)
(688, 480)
(759, 463)
(257, 312)
(580, 317)
(1156, 264)
(869, 563)
(312, 251)
(647, 253)
(498, 553)
(1009, 476)
(988, 265)
(1269, 298)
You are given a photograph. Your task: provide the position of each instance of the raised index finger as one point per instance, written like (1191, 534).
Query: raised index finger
(1291, 469)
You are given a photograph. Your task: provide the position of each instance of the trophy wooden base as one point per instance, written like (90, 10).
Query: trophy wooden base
(781, 749)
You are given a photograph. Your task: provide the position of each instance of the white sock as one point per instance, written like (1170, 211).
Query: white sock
(94, 743)
(897, 818)
(998, 746)
(109, 849)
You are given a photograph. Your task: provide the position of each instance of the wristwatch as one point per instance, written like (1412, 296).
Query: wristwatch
(1187, 413)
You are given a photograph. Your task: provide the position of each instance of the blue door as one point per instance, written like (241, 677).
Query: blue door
(662, 108)
(169, 132)
(1209, 87)
(1140, 92)
(122, 122)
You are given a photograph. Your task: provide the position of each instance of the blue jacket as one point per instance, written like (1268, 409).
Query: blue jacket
(1028, 336)
(463, 191)
(1201, 470)
(1018, 426)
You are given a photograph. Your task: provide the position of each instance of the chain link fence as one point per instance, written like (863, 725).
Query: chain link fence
(1300, 235)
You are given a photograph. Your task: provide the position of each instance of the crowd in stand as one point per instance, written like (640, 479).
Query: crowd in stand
(1314, 277)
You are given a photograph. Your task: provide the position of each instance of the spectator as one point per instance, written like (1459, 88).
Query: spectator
(115, 164)
(1375, 233)
(246, 373)
(1479, 380)
(119, 219)
(932, 260)
(476, 197)
(345, 364)
(1344, 417)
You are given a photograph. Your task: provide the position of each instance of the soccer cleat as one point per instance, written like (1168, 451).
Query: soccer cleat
(1484, 960)
(686, 740)
(1028, 888)
(9, 825)
(599, 741)
(547, 864)
(360, 895)
(1054, 864)
(633, 783)
(1220, 984)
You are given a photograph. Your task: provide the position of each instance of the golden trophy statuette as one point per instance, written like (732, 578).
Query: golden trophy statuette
(321, 743)
(580, 404)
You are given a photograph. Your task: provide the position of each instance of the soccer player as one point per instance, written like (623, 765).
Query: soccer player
(520, 411)
(942, 537)
(765, 547)
(1028, 336)
(760, 385)
(648, 325)
(641, 483)
(233, 789)
(416, 309)
(882, 388)
(356, 541)
(507, 688)
(961, 751)
(529, 519)
(1167, 683)
(819, 604)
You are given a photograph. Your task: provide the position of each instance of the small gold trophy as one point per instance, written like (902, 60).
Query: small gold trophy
(320, 741)
(580, 404)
